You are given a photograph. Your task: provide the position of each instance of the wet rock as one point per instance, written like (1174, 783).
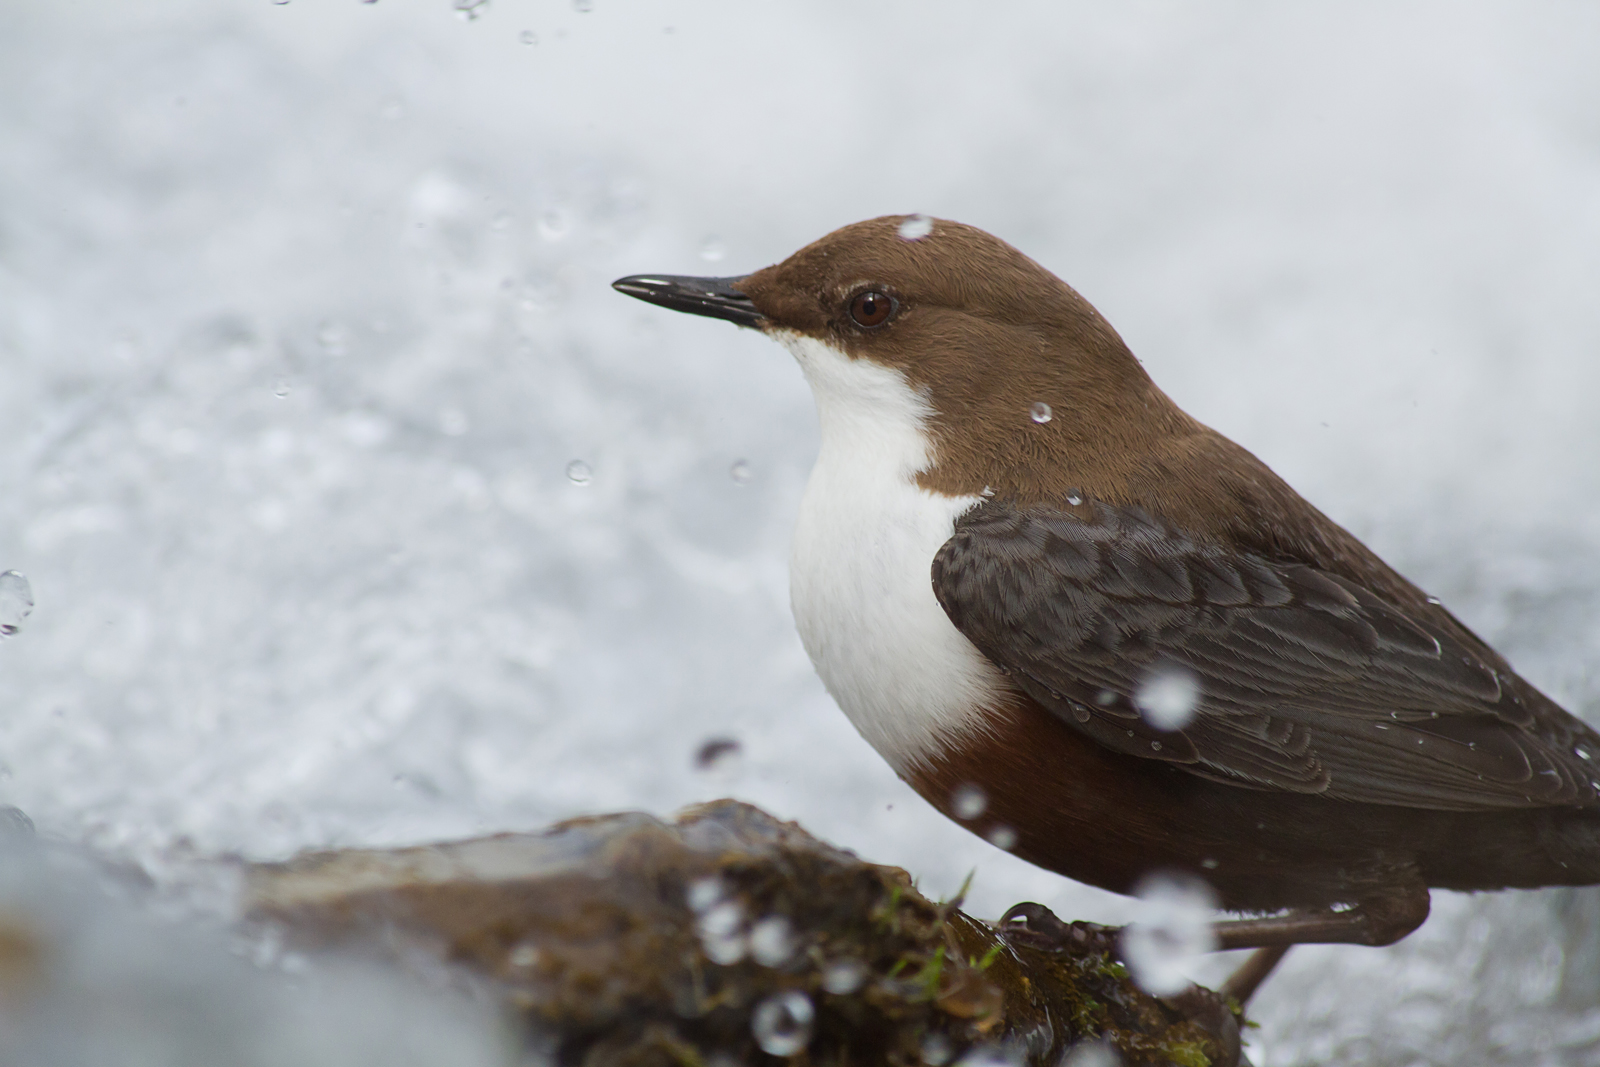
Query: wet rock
(728, 936)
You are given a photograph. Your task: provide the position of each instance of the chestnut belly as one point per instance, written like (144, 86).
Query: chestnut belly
(1108, 819)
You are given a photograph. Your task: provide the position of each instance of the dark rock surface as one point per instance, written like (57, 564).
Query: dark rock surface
(728, 936)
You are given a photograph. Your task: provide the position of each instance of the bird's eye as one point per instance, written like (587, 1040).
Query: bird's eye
(871, 308)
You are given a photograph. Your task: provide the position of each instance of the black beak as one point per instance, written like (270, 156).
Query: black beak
(715, 298)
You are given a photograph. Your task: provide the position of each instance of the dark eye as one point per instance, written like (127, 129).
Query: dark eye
(871, 308)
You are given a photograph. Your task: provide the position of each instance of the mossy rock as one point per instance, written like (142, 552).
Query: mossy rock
(728, 936)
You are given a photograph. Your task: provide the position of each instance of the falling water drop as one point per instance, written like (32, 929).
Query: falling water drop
(1168, 697)
(969, 801)
(740, 472)
(782, 1023)
(720, 754)
(712, 250)
(936, 1050)
(1173, 931)
(1040, 412)
(843, 977)
(1003, 837)
(578, 472)
(528, 37)
(16, 602)
(772, 941)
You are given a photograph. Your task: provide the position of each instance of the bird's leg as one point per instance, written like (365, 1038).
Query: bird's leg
(1374, 920)
(1242, 983)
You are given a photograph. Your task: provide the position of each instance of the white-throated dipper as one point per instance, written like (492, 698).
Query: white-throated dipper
(1028, 577)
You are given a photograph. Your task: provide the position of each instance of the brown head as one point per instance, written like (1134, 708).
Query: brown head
(1029, 389)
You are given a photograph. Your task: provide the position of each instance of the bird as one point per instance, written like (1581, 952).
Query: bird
(1099, 633)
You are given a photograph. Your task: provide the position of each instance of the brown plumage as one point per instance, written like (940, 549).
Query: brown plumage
(1352, 742)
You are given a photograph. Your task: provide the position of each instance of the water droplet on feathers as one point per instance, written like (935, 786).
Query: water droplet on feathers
(915, 227)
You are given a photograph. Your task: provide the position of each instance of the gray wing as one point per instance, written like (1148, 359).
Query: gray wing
(1305, 681)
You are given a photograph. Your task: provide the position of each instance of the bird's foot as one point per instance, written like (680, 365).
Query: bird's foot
(1038, 927)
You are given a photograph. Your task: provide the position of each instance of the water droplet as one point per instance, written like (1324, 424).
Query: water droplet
(936, 1050)
(578, 472)
(782, 1023)
(1081, 713)
(721, 930)
(1091, 1054)
(843, 977)
(713, 250)
(1172, 931)
(1040, 412)
(1209, 864)
(15, 824)
(553, 224)
(990, 1056)
(1074, 499)
(1168, 697)
(528, 37)
(915, 227)
(969, 801)
(1003, 837)
(1105, 698)
(523, 956)
(740, 472)
(1581, 752)
(453, 422)
(16, 602)
(718, 754)
(1155, 746)
(281, 389)
(330, 336)
(583, 7)
(772, 941)
(1435, 600)
(705, 893)
(467, 10)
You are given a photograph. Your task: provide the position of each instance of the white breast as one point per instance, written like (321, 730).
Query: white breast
(859, 575)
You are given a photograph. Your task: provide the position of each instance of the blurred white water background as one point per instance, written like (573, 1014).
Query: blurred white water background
(358, 509)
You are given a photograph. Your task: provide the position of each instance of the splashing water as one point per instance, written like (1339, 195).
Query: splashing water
(1168, 697)
(16, 602)
(915, 227)
(782, 1023)
(1171, 934)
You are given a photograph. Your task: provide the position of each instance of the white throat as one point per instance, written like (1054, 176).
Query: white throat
(859, 576)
